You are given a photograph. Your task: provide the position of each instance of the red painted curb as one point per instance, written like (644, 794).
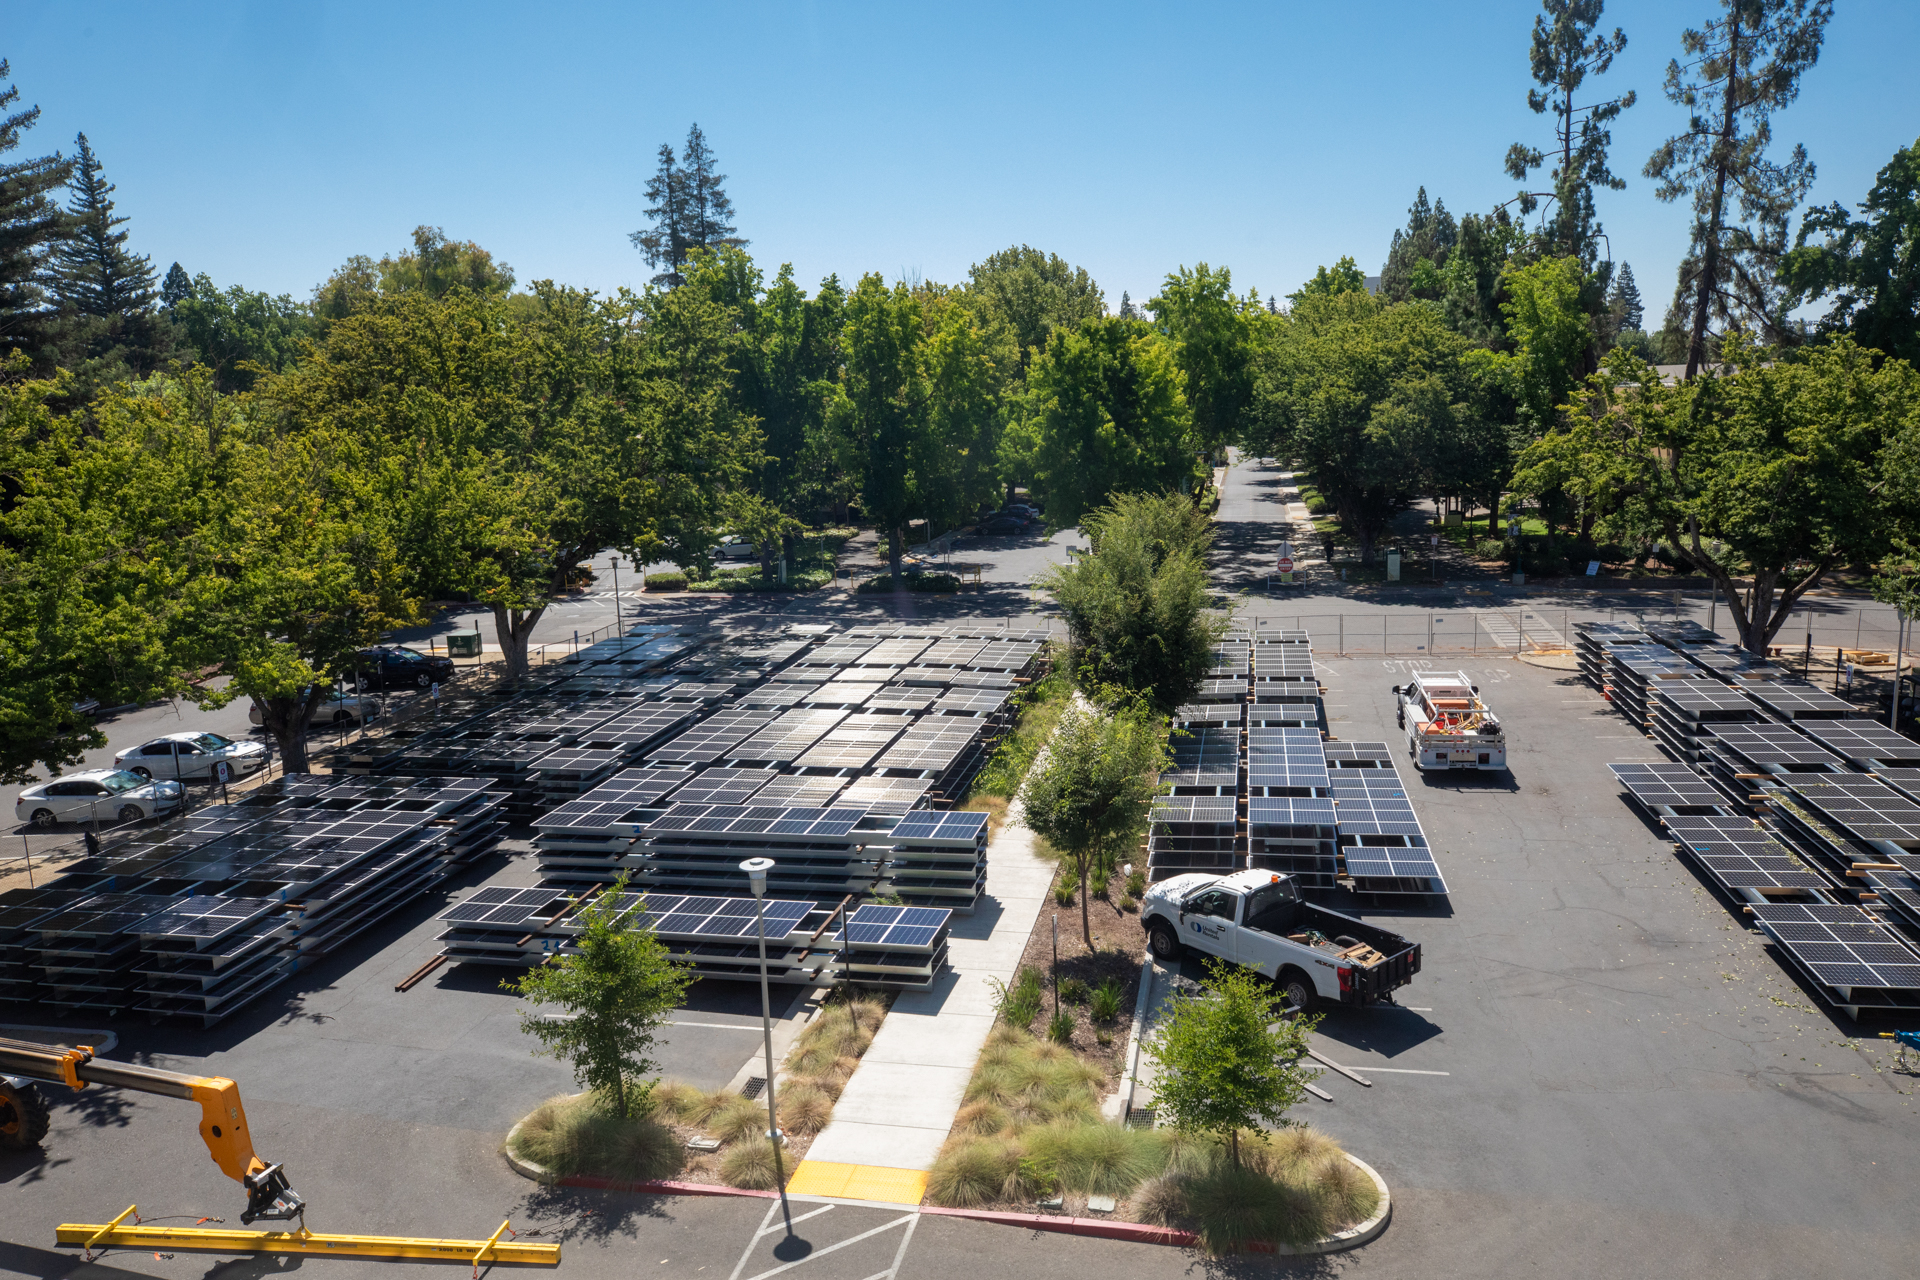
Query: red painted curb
(660, 1188)
(1102, 1228)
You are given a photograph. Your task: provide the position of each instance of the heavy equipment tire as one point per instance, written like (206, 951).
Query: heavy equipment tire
(43, 819)
(131, 813)
(1296, 988)
(24, 1117)
(1164, 942)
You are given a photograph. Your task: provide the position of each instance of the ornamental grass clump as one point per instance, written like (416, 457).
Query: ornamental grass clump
(585, 1134)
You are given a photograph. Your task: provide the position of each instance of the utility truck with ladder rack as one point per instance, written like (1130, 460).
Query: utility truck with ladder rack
(1447, 725)
(1257, 920)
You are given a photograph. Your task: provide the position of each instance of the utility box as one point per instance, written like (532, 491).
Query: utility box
(1393, 566)
(463, 644)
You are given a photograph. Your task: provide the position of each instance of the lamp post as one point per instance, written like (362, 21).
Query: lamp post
(756, 869)
(614, 561)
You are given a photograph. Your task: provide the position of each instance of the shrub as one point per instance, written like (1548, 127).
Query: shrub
(981, 1119)
(970, 1172)
(1097, 882)
(1098, 1159)
(666, 582)
(1106, 1000)
(752, 1165)
(1020, 1003)
(740, 1118)
(1060, 1027)
(1162, 1201)
(1317, 505)
(1063, 892)
(804, 1108)
(1490, 549)
(910, 582)
(843, 1028)
(582, 1134)
(1128, 904)
(1136, 884)
(1074, 991)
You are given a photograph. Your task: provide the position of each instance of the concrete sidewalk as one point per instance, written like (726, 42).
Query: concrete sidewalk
(899, 1106)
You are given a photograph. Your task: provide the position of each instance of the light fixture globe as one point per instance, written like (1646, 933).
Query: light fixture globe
(756, 869)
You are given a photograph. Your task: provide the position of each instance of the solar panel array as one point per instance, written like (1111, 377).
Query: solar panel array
(1739, 854)
(1668, 788)
(1864, 963)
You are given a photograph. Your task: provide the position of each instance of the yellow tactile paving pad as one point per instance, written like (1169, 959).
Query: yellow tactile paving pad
(858, 1182)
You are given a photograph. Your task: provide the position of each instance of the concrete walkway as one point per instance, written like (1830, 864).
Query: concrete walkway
(899, 1105)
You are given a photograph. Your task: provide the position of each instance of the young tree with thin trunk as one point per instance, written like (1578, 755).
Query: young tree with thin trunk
(618, 990)
(1742, 67)
(1228, 1060)
(1095, 788)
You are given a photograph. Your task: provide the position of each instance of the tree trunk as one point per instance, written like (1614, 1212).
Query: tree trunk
(1493, 517)
(514, 627)
(287, 719)
(1086, 889)
(1710, 248)
(896, 544)
(1233, 1146)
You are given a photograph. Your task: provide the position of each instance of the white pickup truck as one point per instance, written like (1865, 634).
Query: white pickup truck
(1447, 725)
(1258, 920)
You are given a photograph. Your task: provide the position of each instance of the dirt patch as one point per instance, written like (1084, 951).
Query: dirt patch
(1121, 946)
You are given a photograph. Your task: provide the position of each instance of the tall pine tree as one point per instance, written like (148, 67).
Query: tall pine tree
(709, 210)
(31, 222)
(93, 274)
(176, 288)
(1628, 313)
(690, 209)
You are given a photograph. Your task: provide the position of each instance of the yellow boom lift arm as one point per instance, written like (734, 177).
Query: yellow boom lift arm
(223, 1121)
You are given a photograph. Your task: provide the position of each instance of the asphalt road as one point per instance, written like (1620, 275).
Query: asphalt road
(1599, 1072)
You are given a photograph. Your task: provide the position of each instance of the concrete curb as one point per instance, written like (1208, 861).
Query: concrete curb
(1142, 1233)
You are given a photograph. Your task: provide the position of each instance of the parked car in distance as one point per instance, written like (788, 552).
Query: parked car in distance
(192, 757)
(1004, 523)
(736, 547)
(1026, 509)
(111, 795)
(388, 665)
(335, 708)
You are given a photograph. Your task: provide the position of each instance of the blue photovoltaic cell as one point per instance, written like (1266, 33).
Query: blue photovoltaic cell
(678, 922)
(924, 916)
(788, 913)
(909, 936)
(866, 932)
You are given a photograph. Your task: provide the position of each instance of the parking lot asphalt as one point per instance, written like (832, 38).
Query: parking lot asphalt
(1599, 1072)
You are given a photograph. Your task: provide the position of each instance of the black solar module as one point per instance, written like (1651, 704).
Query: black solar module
(1775, 745)
(1669, 786)
(1841, 946)
(1739, 854)
(1864, 807)
(1795, 699)
(1863, 741)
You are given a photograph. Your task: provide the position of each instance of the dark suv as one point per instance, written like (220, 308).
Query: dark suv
(390, 666)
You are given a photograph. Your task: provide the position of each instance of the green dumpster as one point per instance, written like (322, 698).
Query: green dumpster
(463, 644)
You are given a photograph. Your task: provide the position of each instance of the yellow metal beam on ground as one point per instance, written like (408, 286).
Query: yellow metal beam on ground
(93, 1235)
(858, 1182)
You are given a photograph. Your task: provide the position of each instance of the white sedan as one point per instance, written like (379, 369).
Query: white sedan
(335, 708)
(108, 795)
(193, 757)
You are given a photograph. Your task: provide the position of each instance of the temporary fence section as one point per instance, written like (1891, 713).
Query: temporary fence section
(1797, 808)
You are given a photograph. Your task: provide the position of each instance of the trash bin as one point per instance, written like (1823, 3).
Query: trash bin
(463, 644)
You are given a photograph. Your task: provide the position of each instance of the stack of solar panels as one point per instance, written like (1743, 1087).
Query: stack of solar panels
(1848, 951)
(1194, 716)
(19, 908)
(852, 743)
(1670, 790)
(893, 946)
(1286, 691)
(504, 926)
(203, 957)
(86, 952)
(1594, 643)
(1192, 833)
(1865, 830)
(1684, 710)
(885, 797)
(586, 841)
(1730, 663)
(716, 738)
(1356, 755)
(938, 859)
(1639, 670)
(1292, 823)
(1383, 848)
(820, 853)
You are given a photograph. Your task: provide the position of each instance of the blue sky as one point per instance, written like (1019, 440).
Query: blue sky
(265, 143)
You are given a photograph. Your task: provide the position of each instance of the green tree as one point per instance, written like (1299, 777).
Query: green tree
(176, 288)
(690, 210)
(31, 225)
(1095, 787)
(1765, 479)
(1344, 276)
(1564, 52)
(1212, 337)
(1623, 304)
(1227, 1059)
(237, 328)
(1870, 265)
(1105, 413)
(1033, 294)
(1741, 68)
(92, 271)
(1419, 254)
(617, 987)
(1138, 610)
(1548, 326)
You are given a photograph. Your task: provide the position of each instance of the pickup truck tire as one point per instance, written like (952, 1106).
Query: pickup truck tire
(1163, 942)
(1296, 988)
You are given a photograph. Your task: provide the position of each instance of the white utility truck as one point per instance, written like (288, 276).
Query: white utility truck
(1257, 920)
(1447, 725)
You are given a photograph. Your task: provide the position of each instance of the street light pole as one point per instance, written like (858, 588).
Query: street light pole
(756, 869)
(615, 562)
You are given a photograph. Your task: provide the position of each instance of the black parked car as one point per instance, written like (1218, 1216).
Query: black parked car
(390, 665)
(1004, 523)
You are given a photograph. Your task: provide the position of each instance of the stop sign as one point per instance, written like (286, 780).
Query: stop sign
(1286, 564)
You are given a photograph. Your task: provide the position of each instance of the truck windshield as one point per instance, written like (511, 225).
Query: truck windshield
(1269, 896)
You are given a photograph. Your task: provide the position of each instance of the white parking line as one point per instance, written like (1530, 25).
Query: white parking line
(717, 1026)
(1406, 1071)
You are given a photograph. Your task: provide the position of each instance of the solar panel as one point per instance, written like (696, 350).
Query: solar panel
(1739, 854)
(1667, 786)
(1863, 742)
(1840, 946)
(1290, 811)
(1795, 699)
(1772, 744)
(1866, 808)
